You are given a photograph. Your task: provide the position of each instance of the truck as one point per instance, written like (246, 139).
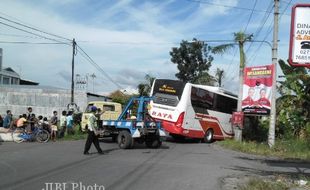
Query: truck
(134, 125)
(112, 110)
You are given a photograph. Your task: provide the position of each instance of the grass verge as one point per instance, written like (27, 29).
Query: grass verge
(278, 182)
(289, 149)
(78, 135)
(260, 184)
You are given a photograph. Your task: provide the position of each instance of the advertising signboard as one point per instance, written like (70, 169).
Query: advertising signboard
(257, 89)
(299, 50)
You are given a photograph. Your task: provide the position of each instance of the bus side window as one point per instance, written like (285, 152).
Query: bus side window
(201, 100)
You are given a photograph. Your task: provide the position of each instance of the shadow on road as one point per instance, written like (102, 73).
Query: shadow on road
(183, 140)
(292, 168)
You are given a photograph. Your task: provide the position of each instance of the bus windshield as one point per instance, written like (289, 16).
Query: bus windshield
(167, 92)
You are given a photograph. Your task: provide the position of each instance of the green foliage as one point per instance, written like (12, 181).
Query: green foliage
(255, 129)
(78, 135)
(120, 97)
(145, 87)
(192, 59)
(205, 79)
(293, 107)
(290, 149)
(239, 38)
(219, 75)
(260, 184)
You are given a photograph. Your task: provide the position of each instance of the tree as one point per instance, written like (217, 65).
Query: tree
(219, 75)
(119, 97)
(240, 38)
(192, 59)
(145, 87)
(206, 79)
(294, 103)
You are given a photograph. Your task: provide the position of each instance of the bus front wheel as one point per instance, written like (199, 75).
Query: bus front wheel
(209, 136)
(153, 142)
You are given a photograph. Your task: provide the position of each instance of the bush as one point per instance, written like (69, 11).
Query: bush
(255, 129)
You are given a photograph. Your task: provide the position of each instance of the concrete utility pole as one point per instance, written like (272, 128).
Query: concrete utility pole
(271, 135)
(93, 76)
(72, 77)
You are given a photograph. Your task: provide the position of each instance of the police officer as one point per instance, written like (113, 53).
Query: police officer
(92, 132)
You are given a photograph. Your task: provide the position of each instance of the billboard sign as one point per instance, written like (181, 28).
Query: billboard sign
(299, 50)
(257, 88)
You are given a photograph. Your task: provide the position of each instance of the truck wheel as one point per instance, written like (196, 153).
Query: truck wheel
(153, 142)
(209, 136)
(124, 140)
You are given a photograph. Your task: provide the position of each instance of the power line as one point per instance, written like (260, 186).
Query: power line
(250, 16)
(229, 6)
(29, 27)
(132, 43)
(21, 42)
(262, 24)
(269, 31)
(18, 35)
(90, 60)
(44, 37)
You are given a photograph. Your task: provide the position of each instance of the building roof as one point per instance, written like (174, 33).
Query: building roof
(27, 82)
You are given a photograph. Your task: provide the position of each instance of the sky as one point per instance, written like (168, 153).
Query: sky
(128, 39)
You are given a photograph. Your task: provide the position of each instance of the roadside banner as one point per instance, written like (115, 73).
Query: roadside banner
(257, 88)
(237, 119)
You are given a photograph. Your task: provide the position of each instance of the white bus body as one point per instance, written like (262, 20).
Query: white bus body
(190, 110)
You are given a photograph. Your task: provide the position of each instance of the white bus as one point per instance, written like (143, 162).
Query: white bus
(191, 110)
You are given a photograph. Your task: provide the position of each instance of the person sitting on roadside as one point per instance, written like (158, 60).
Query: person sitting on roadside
(40, 120)
(32, 121)
(46, 125)
(22, 122)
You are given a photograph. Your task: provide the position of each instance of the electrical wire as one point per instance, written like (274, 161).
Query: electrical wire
(262, 24)
(29, 27)
(269, 31)
(228, 6)
(39, 43)
(44, 37)
(90, 60)
(250, 16)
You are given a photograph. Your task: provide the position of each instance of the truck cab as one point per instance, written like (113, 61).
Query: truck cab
(111, 111)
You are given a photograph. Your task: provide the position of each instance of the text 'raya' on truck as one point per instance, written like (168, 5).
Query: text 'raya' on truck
(134, 125)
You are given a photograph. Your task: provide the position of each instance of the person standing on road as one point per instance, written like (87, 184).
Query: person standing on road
(69, 123)
(54, 127)
(63, 125)
(92, 136)
(7, 119)
(29, 112)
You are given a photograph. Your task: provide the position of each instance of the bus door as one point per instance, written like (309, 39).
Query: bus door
(189, 119)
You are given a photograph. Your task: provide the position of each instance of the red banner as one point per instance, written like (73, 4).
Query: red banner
(237, 119)
(257, 90)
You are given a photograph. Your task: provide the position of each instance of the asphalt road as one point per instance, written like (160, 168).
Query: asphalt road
(178, 166)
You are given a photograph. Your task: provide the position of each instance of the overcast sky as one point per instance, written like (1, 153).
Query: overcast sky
(131, 38)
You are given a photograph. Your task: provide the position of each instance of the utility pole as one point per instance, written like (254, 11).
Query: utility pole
(271, 135)
(93, 76)
(72, 77)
